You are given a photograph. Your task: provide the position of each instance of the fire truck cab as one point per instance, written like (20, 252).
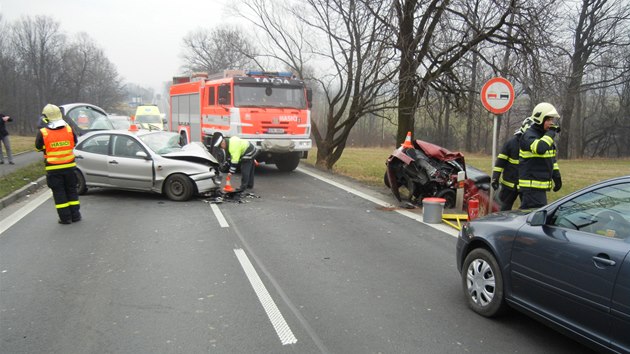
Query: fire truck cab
(270, 109)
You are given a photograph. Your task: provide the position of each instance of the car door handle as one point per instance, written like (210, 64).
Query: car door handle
(114, 162)
(78, 156)
(603, 259)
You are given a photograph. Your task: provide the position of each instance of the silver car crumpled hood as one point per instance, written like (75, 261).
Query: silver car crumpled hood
(193, 152)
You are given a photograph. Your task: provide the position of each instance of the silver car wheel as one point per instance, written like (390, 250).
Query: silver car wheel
(480, 282)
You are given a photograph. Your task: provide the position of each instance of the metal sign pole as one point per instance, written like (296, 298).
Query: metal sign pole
(494, 154)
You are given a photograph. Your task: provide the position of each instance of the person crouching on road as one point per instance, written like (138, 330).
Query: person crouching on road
(239, 151)
(57, 141)
(538, 168)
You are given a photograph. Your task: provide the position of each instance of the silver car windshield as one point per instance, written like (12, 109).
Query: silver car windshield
(162, 143)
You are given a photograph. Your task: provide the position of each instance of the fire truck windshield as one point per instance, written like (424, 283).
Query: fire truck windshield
(269, 96)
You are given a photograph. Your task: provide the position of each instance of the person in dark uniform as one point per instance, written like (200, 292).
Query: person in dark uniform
(505, 172)
(4, 138)
(57, 141)
(538, 167)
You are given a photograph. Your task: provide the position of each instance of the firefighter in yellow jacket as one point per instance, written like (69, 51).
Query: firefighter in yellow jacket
(239, 152)
(57, 141)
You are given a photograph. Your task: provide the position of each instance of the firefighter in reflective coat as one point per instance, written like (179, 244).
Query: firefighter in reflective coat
(538, 168)
(238, 151)
(505, 172)
(57, 141)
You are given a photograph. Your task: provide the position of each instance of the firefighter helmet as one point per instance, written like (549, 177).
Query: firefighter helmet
(527, 122)
(542, 111)
(51, 113)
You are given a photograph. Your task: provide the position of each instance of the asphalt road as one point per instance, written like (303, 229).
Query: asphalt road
(307, 267)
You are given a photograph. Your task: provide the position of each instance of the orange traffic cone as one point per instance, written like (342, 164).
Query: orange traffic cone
(407, 144)
(133, 127)
(228, 184)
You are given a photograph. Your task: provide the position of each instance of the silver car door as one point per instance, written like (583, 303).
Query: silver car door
(92, 159)
(126, 170)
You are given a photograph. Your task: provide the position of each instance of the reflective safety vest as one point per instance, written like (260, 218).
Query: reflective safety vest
(506, 165)
(537, 163)
(58, 145)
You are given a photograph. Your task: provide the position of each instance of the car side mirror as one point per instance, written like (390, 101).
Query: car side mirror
(538, 218)
(142, 154)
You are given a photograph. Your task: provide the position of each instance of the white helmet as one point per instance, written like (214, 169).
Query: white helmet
(527, 122)
(542, 111)
(52, 112)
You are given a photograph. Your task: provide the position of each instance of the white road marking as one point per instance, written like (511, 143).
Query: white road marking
(23, 211)
(276, 318)
(219, 215)
(414, 216)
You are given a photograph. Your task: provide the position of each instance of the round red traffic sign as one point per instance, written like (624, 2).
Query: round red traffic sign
(497, 95)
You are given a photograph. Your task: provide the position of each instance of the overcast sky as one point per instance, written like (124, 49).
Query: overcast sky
(142, 38)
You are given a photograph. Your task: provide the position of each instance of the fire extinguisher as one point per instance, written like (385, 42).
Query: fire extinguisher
(473, 209)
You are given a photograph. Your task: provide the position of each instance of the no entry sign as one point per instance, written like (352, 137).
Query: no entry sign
(497, 95)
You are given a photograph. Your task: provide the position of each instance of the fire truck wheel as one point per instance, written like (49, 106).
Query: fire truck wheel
(178, 187)
(288, 162)
(81, 186)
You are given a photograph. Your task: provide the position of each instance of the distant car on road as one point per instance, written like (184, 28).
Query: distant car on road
(566, 264)
(145, 160)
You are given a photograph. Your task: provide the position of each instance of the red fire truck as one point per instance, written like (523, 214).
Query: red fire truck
(270, 109)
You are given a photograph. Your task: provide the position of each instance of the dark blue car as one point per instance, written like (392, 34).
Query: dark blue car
(566, 264)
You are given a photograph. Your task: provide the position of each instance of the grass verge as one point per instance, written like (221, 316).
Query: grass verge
(21, 177)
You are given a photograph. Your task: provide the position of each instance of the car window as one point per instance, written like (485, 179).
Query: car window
(86, 117)
(603, 212)
(96, 144)
(162, 143)
(125, 146)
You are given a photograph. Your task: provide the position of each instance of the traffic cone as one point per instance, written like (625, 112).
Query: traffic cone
(133, 127)
(228, 184)
(407, 144)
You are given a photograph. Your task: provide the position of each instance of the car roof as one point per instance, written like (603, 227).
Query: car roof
(138, 133)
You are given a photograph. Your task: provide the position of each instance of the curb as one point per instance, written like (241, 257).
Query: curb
(23, 192)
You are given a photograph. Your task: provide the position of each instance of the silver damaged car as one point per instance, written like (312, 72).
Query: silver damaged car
(145, 160)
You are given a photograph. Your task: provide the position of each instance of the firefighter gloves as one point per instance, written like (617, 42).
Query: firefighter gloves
(557, 184)
(495, 184)
(555, 127)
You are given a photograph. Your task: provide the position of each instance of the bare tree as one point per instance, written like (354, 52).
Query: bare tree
(602, 26)
(423, 59)
(349, 44)
(39, 66)
(216, 50)
(39, 45)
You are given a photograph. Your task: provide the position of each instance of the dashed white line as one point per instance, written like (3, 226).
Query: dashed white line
(276, 318)
(219, 215)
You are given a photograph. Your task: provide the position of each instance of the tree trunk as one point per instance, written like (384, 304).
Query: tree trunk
(472, 96)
